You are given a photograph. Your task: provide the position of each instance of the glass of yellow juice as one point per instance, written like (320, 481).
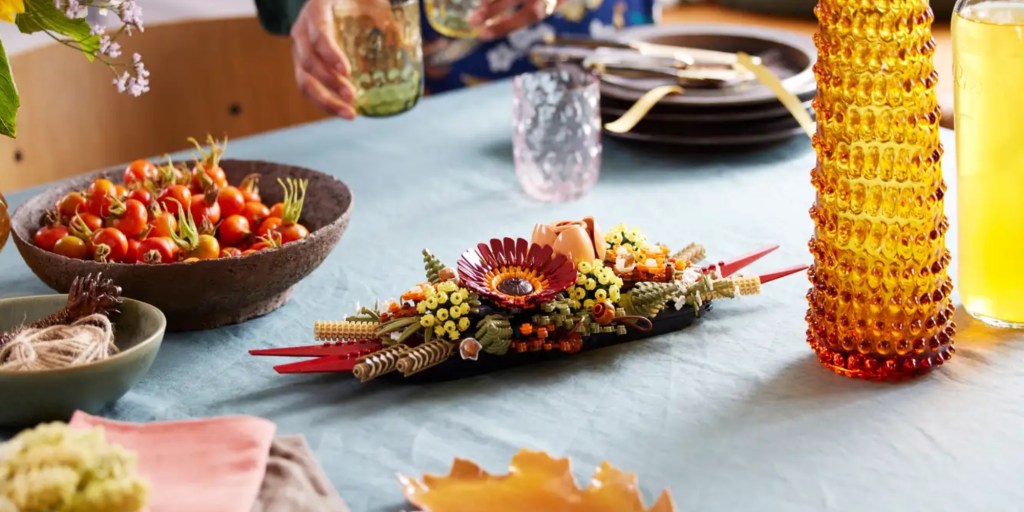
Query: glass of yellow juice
(988, 41)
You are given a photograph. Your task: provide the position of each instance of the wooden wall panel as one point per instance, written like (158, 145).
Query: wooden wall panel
(219, 76)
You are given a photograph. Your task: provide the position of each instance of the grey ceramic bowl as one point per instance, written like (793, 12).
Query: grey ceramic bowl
(52, 395)
(208, 293)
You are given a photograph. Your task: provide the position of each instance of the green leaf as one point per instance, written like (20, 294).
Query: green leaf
(42, 15)
(9, 100)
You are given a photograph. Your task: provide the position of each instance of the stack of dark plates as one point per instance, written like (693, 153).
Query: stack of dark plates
(747, 115)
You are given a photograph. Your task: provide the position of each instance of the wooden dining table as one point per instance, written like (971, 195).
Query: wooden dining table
(732, 413)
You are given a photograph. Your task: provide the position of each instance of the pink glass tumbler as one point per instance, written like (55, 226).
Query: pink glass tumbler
(556, 143)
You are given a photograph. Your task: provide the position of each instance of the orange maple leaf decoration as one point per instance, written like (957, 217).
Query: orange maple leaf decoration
(535, 482)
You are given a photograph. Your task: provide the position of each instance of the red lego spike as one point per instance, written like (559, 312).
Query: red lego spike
(326, 364)
(324, 349)
(767, 278)
(729, 268)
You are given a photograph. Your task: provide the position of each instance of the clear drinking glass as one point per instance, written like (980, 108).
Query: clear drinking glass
(556, 132)
(385, 52)
(451, 17)
(988, 73)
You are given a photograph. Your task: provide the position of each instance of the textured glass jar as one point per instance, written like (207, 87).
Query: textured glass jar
(988, 51)
(556, 132)
(879, 305)
(386, 57)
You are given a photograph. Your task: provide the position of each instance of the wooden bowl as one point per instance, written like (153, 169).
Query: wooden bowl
(32, 397)
(207, 293)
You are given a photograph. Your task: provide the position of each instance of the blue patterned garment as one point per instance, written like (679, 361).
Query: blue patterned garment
(455, 63)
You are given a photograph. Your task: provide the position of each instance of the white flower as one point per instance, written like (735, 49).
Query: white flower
(599, 30)
(130, 13)
(122, 82)
(681, 301)
(501, 58)
(526, 37)
(109, 47)
(624, 261)
(72, 8)
(690, 277)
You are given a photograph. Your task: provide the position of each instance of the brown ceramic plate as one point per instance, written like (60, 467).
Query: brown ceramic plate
(208, 293)
(770, 111)
(659, 127)
(790, 56)
(711, 137)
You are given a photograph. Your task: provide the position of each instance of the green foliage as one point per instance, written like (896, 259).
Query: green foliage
(365, 315)
(648, 299)
(9, 101)
(560, 313)
(494, 333)
(43, 15)
(433, 266)
(40, 16)
(396, 324)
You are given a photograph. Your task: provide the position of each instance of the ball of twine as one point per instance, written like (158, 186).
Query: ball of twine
(85, 341)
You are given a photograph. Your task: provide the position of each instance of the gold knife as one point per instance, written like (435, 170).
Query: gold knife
(769, 80)
(689, 56)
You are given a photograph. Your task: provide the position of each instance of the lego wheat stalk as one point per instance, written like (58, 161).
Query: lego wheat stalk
(513, 301)
(879, 306)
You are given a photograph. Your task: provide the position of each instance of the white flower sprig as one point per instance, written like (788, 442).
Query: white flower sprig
(129, 77)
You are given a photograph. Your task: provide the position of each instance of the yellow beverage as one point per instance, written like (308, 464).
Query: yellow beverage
(989, 71)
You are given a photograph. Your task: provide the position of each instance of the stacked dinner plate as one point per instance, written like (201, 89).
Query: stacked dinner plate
(744, 115)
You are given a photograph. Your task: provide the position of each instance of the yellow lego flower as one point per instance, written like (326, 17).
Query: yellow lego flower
(463, 324)
(442, 315)
(427, 320)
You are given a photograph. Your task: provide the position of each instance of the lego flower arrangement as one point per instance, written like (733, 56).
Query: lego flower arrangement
(64, 21)
(564, 292)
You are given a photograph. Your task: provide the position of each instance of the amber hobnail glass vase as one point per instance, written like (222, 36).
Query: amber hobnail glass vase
(879, 304)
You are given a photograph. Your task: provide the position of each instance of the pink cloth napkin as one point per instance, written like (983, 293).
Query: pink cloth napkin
(211, 465)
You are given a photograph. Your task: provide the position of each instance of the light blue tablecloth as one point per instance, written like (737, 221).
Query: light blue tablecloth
(733, 414)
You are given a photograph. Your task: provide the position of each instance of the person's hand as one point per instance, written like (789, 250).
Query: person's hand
(497, 18)
(321, 69)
